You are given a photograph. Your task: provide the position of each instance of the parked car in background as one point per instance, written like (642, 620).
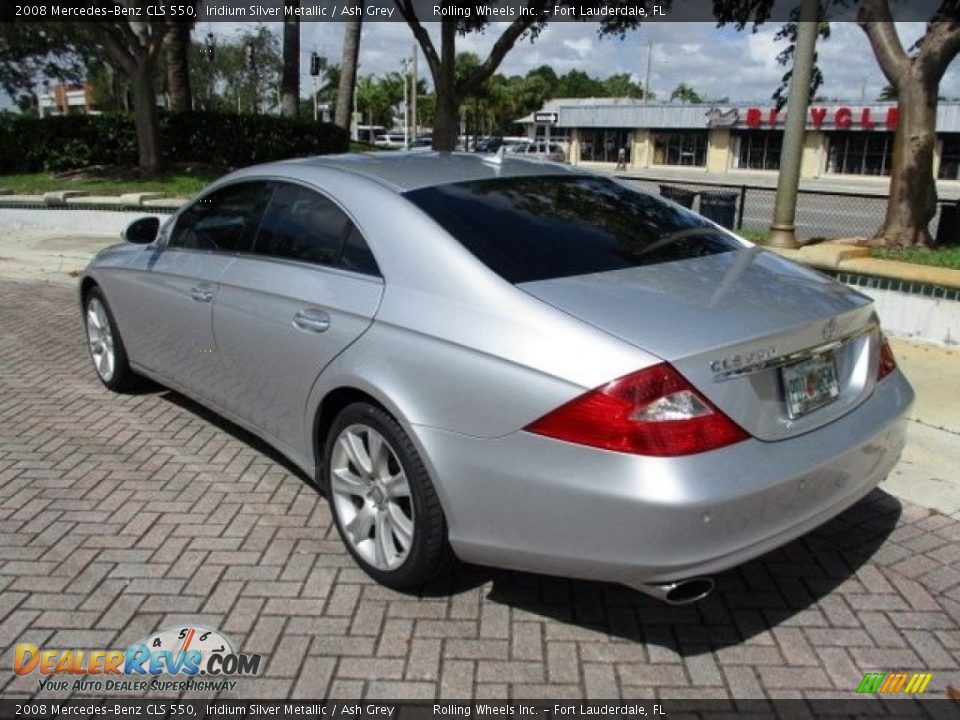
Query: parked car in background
(368, 133)
(540, 149)
(390, 140)
(488, 144)
(520, 364)
(421, 143)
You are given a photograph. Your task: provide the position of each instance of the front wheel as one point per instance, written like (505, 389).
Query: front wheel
(383, 502)
(105, 344)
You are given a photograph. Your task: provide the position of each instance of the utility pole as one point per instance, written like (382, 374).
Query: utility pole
(406, 107)
(355, 117)
(646, 83)
(413, 95)
(783, 229)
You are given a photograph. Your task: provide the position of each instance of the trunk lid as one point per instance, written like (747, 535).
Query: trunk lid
(728, 323)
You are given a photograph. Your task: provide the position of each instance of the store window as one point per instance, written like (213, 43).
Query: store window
(759, 149)
(604, 145)
(950, 158)
(557, 134)
(680, 147)
(860, 153)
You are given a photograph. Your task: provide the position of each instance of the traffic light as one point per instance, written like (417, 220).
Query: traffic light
(314, 64)
(251, 56)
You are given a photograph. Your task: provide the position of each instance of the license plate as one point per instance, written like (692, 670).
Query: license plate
(810, 384)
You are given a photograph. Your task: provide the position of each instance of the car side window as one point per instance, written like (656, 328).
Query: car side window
(300, 224)
(356, 254)
(223, 221)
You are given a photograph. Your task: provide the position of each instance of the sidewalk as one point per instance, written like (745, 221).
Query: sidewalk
(929, 473)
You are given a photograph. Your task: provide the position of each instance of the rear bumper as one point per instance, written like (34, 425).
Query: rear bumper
(531, 503)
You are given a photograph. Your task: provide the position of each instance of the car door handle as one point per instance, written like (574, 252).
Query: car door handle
(312, 320)
(201, 294)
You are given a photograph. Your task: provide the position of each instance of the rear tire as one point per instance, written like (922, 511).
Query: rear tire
(105, 344)
(382, 500)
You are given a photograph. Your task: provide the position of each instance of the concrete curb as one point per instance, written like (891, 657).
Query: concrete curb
(80, 200)
(837, 257)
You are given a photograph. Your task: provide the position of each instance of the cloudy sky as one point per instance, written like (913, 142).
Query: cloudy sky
(716, 62)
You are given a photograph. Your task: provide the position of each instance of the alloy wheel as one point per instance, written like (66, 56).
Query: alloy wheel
(100, 339)
(371, 497)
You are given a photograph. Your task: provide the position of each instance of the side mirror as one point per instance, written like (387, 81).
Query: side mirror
(142, 231)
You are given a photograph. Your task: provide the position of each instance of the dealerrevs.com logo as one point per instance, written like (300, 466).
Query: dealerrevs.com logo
(198, 658)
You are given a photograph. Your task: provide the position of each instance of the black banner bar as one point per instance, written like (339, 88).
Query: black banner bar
(429, 11)
(159, 709)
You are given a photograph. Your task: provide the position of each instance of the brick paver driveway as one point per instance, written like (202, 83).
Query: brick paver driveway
(121, 515)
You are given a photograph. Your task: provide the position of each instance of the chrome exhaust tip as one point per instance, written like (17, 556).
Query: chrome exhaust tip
(681, 592)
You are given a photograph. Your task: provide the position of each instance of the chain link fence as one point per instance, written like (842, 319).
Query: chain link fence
(820, 213)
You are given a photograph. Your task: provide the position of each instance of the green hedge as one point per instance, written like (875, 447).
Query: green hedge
(78, 141)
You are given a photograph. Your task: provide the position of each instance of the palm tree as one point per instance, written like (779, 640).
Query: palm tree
(889, 92)
(685, 94)
(176, 46)
(290, 77)
(348, 67)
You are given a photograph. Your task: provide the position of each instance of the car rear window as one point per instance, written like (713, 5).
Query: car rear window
(550, 226)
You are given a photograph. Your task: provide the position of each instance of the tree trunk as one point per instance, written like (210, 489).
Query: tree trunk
(916, 79)
(446, 122)
(145, 115)
(348, 69)
(913, 188)
(290, 78)
(176, 46)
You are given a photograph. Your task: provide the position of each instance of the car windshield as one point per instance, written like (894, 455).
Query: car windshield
(546, 226)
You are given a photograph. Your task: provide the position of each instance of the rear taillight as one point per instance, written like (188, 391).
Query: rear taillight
(888, 363)
(650, 412)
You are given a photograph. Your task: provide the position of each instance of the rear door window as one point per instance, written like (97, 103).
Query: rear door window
(300, 224)
(550, 226)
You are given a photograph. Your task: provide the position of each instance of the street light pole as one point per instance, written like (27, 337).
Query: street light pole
(413, 95)
(646, 86)
(783, 229)
(406, 105)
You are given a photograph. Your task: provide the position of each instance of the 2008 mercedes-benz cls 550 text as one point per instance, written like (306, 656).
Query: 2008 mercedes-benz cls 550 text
(510, 362)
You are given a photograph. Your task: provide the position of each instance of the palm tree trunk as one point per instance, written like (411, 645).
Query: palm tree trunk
(176, 45)
(348, 68)
(290, 78)
(446, 121)
(145, 115)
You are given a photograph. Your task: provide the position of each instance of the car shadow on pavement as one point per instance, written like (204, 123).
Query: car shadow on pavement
(785, 587)
(227, 426)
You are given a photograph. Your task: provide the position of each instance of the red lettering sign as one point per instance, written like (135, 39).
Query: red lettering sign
(843, 117)
(893, 117)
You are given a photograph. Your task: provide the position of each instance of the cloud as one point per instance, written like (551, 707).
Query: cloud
(581, 46)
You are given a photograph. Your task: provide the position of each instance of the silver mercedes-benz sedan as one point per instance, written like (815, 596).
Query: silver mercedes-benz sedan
(510, 362)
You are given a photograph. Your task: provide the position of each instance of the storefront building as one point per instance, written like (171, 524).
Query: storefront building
(842, 139)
